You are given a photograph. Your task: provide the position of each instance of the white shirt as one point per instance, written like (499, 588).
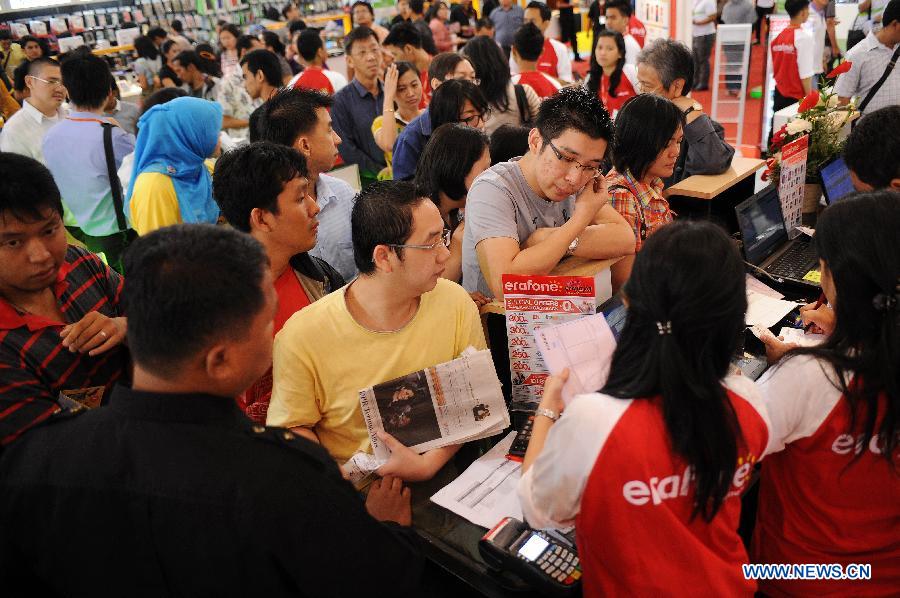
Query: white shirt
(24, 132)
(869, 57)
(765, 3)
(563, 61)
(815, 25)
(632, 49)
(704, 9)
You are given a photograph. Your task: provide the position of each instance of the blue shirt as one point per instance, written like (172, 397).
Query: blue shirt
(334, 242)
(354, 110)
(74, 154)
(410, 145)
(506, 23)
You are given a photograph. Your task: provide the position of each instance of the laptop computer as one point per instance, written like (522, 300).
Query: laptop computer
(836, 182)
(766, 245)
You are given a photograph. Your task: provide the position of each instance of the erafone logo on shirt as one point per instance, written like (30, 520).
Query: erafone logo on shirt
(783, 48)
(656, 490)
(845, 444)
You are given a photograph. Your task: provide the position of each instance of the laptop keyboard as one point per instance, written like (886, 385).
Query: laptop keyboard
(794, 263)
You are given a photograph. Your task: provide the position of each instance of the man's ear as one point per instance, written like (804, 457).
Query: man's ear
(676, 89)
(535, 142)
(381, 257)
(217, 363)
(409, 50)
(260, 220)
(303, 146)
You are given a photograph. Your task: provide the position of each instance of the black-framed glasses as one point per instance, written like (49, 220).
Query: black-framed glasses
(584, 168)
(444, 240)
(472, 120)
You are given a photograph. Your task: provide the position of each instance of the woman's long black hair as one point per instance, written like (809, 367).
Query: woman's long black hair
(596, 72)
(688, 279)
(857, 240)
(491, 67)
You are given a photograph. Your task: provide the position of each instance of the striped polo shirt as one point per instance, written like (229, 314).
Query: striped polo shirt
(35, 369)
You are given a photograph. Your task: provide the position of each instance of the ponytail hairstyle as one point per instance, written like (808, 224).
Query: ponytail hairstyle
(686, 304)
(596, 71)
(857, 240)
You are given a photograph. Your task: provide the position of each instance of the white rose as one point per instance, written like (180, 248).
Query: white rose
(833, 101)
(798, 125)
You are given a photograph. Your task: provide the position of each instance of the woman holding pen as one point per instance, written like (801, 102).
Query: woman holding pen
(830, 492)
(654, 463)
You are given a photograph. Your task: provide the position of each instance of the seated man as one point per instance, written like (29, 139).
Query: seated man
(524, 216)
(398, 317)
(879, 169)
(263, 189)
(170, 486)
(299, 118)
(666, 68)
(61, 326)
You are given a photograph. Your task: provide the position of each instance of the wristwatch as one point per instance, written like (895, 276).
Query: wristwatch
(572, 246)
(548, 413)
(692, 108)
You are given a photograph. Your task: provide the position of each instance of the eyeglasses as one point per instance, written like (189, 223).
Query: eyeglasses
(471, 120)
(51, 82)
(444, 240)
(474, 80)
(585, 169)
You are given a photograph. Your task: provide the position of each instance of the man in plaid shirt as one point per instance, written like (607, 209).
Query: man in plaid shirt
(61, 327)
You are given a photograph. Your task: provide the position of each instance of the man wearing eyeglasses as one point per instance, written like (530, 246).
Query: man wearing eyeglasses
(399, 316)
(524, 216)
(24, 132)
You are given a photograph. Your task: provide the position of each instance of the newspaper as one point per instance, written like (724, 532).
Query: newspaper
(450, 403)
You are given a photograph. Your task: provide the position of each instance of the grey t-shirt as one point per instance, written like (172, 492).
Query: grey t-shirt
(501, 204)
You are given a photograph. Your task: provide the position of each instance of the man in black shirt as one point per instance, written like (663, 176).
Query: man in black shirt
(170, 490)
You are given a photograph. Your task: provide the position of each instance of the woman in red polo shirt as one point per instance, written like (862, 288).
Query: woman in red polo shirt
(651, 468)
(610, 78)
(830, 493)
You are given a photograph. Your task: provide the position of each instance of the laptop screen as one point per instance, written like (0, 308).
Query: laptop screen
(762, 225)
(836, 180)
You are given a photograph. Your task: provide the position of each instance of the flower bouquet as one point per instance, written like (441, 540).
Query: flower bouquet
(820, 116)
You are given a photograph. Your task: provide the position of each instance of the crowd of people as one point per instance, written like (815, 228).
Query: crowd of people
(191, 301)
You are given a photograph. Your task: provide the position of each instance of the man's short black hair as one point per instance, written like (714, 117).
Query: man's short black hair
(891, 13)
(245, 43)
(546, 14)
(794, 7)
(417, 6)
(357, 34)
(188, 286)
(574, 108)
(508, 142)
(34, 67)
(402, 34)
(177, 26)
(623, 6)
(253, 176)
(86, 78)
(529, 42)
(295, 26)
(156, 33)
(484, 23)
(308, 43)
(879, 129)
(265, 61)
(287, 8)
(382, 215)
(644, 126)
(5, 34)
(28, 188)
(289, 114)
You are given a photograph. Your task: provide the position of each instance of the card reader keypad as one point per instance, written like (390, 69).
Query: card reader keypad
(559, 563)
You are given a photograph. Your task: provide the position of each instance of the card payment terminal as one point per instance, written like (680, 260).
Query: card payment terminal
(548, 563)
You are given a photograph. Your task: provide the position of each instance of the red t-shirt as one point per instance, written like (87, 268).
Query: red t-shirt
(785, 65)
(313, 78)
(548, 60)
(542, 85)
(426, 89)
(825, 497)
(291, 299)
(637, 30)
(608, 465)
(624, 91)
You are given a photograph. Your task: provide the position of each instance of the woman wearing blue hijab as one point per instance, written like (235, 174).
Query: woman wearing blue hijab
(170, 183)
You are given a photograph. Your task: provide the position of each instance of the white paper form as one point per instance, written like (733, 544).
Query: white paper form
(485, 492)
(766, 311)
(798, 337)
(585, 346)
(756, 285)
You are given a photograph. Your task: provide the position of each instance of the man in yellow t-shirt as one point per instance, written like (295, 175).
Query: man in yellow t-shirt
(396, 318)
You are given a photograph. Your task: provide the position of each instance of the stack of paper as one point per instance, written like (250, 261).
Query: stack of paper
(766, 310)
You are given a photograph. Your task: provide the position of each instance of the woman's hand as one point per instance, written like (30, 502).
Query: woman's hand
(776, 348)
(822, 318)
(552, 397)
(390, 87)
